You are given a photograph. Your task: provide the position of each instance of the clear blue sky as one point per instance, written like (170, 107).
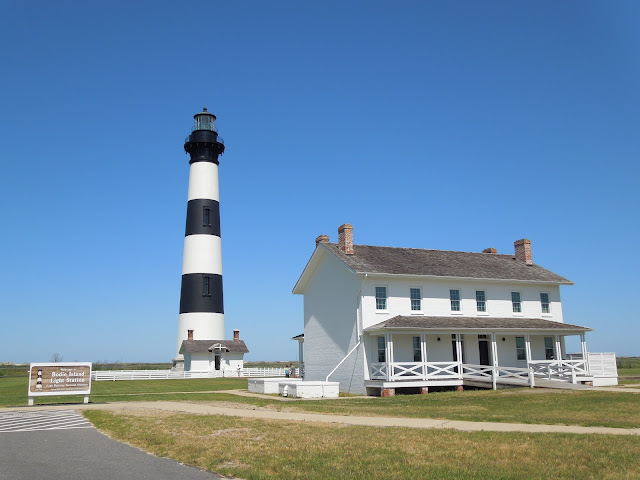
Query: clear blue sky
(446, 125)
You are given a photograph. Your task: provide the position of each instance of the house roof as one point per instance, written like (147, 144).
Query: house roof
(442, 263)
(414, 322)
(202, 346)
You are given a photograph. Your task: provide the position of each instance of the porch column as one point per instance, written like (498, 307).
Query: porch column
(423, 354)
(494, 356)
(583, 344)
(459, 354)
(300, 357)
(389, 355)
(558, 349)
(585, 354)
(527, 345)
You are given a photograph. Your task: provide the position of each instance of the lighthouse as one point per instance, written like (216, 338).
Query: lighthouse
(201, 305)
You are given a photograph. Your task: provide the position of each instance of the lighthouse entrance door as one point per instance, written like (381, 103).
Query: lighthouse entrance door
(216, 361)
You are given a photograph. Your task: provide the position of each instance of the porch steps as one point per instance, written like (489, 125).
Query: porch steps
(539, 383)
(501, 383)
(559, 384)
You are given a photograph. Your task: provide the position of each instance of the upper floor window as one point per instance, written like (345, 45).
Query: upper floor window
(544, 301)
(382, 351)
(515, 302)
(521, 351)
(206, 286)
(548, 348)
(481, 301)
(416, 299)
(381, 298)
(417, 350)
(206, 217)
(454, 295)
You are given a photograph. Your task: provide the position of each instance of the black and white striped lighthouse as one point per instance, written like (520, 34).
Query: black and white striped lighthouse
(201, 306)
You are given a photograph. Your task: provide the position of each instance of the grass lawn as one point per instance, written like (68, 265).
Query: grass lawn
(13, 391)
(517, 405)
(261, 449)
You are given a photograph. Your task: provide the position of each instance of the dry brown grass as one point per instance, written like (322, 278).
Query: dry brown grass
(258, 449)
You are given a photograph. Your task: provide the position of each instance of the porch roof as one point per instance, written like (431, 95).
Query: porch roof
(412, 322)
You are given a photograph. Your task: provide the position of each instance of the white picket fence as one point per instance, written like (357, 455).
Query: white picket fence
(113, 375)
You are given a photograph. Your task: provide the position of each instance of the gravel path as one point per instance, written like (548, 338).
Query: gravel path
(254, 412)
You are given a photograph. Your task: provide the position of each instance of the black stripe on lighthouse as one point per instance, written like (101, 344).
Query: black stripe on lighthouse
(201, 292)
(203, 217)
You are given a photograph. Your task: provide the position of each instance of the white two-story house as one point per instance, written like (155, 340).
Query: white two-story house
(381, 318)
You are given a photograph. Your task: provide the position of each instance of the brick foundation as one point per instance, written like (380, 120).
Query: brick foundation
(388, 392)
(459, 388)
(424, 390)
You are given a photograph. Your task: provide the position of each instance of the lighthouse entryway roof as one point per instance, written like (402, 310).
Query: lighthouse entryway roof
(203, 346)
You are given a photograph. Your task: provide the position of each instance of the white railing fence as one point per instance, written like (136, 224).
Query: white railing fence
(574, 369)
(498, 374)
(415, 371)
(602, 364)
(559, 369)
(113, 375)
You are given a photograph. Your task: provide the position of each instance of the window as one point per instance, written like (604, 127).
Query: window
(417, 351)
(206, 286)
(381, 298)
(382, 351)
(521, 351)
(544, 301)
(416, 299)
(549, 352)
(206, 217)
(515, 302)
(454, 295)
(481, 301)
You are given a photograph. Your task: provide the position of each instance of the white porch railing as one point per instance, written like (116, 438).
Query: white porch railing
(113, 375)
(498, 374)
(415, 371)
(567, 370)
(404, 371)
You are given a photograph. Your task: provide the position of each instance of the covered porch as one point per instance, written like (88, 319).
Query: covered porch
(423, 352)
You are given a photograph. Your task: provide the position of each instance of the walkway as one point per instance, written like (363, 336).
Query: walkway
(58, 444)
(423, 423)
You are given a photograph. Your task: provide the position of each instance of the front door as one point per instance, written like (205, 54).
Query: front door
(217, 361)
(483, 345)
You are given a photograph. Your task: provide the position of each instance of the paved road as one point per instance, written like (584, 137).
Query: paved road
(62, 445)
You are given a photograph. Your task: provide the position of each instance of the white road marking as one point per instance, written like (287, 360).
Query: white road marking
(41, 421)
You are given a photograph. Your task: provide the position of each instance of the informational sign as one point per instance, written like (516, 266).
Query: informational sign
(71, 378)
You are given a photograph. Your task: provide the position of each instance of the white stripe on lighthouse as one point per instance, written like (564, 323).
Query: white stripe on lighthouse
(205, 326)
(203, 181)
(202, 254)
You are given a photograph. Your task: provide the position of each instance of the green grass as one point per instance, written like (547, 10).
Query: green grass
(131, 366)
(589, 408)
(262, 449)
(628, 366)
(13, 391)
(10, 370)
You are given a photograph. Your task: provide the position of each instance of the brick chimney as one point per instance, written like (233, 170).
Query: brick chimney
(490, 250)
(322, 239)
(190, 335)
(236, 335)
(345, 238)
(523, 251)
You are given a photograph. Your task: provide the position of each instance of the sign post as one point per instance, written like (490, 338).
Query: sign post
(70, 378)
